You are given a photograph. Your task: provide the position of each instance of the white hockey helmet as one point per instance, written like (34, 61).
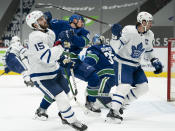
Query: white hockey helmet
(144, 16)
(15, 39)
(32, 17)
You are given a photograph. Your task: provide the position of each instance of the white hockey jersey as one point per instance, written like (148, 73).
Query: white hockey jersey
(17, 49)
(43, 56)
(132, 45)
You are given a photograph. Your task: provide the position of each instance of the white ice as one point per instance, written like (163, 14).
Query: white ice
(18, 104)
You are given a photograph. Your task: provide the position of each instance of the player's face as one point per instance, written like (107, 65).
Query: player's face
(147, 24)
(80, 23)
(42, 22)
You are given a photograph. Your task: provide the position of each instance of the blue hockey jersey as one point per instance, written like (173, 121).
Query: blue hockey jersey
(79, 40)
(101, 58)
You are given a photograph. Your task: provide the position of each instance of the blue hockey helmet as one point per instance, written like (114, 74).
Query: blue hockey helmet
(48, 16)
(98, 39)
(77, 17)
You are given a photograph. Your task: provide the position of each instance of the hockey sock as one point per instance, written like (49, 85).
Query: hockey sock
(64, 107)
(46, 102)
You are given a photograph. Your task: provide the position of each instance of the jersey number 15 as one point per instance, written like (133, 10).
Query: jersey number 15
(39, 46)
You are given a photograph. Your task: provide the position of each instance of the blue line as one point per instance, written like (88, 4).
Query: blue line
(66, 110)
(48, 59)
(44, 54)
(119, 96)
(117, 101)
(133, 93)
(122, 42)
(69, 116)
(127, 97)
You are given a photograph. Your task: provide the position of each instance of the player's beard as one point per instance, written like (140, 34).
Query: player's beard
(45, 26)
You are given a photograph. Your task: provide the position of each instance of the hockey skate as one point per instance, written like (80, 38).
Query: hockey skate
(123, 107)
(41, 114)
(76, 125)
(92, 106)
(113, 117)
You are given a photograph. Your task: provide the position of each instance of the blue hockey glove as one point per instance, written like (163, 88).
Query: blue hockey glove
(66, 35)
(48, 16)
(7, 70)
(157, 65)
(116, 30)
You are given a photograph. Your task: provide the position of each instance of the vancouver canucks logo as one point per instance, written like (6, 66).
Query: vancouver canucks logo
(137, 51)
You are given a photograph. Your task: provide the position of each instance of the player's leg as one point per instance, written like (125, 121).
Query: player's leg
(106, 90)
(87, 73)
(119, 92)
(52, 89)
(41, 112)
(140, 86)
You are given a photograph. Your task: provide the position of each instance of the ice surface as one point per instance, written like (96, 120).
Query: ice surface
(18, 104)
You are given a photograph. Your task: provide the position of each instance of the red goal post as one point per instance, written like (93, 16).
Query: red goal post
(171, 70)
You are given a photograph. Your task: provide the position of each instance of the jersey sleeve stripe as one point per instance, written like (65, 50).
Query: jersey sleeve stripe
(48, 59)
(122, 42)
(93, 56)
(86, 40)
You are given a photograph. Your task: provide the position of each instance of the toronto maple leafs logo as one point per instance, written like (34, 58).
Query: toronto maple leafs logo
(137, 51)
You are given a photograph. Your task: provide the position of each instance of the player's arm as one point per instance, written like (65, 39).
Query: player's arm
(118, 41)
(91, 57)
(149, 52)
(80, 40)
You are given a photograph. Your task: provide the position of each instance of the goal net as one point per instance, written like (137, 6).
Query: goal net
(171, 70)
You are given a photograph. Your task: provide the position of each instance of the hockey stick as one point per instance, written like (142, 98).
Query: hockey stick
(49, 5)
(70, 85)
(74, 82)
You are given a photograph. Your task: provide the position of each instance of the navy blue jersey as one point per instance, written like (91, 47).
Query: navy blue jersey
(79, 40)
(101, 58)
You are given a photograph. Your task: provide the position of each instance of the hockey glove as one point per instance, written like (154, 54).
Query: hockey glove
(66, 35)
(157, 65)
(28, 81)
(64, 44)
(65, 62)
(6, 70)
(116, 30)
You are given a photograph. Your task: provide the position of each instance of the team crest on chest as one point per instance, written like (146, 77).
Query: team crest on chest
(137, 50)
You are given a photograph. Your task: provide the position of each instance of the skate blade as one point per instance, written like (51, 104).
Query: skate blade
(113, 120)
(42, 118)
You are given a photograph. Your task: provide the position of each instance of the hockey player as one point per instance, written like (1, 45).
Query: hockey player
(100, 56)
(44, 68)
(133, 43)
(16, 60)
(74, 32)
